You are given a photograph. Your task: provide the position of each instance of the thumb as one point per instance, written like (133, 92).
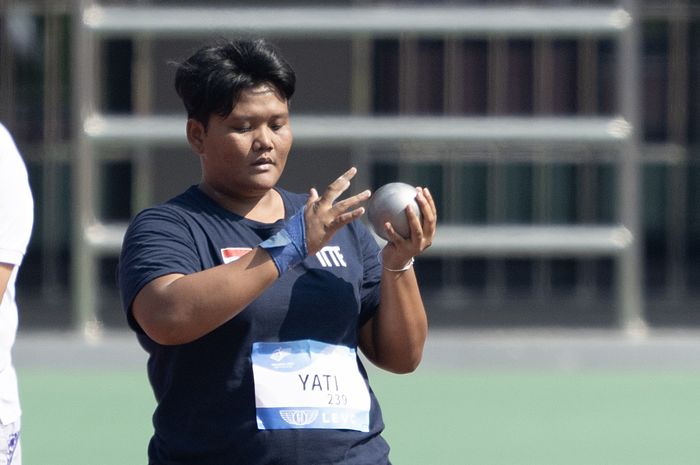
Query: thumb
(313, 196)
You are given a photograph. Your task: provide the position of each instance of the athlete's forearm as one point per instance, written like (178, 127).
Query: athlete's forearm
(395, 337)
(176, 309)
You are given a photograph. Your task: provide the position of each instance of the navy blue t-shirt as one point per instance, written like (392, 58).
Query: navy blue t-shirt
(204, 389)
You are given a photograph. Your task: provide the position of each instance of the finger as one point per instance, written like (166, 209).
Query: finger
(351, 216)
(344, 219)
(431, 201)
(425, 206)
(426, 209)
(415, 225)
(313, 196)
(312, 201)
(353, 201)
(429, 212)
(392, 235)
(337, 187)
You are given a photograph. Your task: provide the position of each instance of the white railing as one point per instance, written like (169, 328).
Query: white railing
(620, 240)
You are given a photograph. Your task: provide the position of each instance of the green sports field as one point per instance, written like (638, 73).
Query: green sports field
(436, 416)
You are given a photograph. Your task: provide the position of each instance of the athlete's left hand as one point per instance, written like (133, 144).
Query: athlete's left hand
(399, 250)
(324, 216)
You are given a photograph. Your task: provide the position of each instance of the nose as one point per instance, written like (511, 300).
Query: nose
(262, 141)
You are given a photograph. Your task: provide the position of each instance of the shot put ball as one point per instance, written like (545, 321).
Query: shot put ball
(388, 204)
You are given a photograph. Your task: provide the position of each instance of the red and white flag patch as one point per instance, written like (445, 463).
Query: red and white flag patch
(231, 254)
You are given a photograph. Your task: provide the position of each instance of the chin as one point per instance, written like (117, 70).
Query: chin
(262, 183)
(268, 176)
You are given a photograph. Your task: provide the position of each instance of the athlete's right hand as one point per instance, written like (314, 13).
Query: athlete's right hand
(323, 217)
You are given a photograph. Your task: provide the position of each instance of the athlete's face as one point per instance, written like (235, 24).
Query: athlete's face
(243, 155)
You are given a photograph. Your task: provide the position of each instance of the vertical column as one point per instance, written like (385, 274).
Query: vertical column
(496, 105)
(142, 99)
(677, 117)
(85, 280)
(629, 269)
(543, 83)
(361, 104)
(7, 67)
(452, 166)
(53, 102)
(588, 173)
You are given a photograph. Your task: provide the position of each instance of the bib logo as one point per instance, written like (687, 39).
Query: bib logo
(299, 417)
(280, 354)
(330, 256)
(231, 254)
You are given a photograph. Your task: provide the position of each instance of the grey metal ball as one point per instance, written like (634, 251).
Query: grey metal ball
(388, 204)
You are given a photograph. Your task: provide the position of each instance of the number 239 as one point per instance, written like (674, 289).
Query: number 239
(337, 399)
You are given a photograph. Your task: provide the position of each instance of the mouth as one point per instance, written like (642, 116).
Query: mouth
(264, 161)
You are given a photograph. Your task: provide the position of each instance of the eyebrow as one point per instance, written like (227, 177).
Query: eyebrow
(253, 117)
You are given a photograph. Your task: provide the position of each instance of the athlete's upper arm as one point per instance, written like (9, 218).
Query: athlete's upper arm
(156, 250)
(366, 340)
(150, 307)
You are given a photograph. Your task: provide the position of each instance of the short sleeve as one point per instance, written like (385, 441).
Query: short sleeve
(158, 242)
(16, 203)
(372, 274)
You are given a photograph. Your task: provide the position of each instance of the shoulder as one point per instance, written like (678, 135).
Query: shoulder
(158, 241)
(178, 207)
(162, 213)
(168, 219)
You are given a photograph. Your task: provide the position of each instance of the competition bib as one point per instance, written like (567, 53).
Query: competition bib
(309, 384)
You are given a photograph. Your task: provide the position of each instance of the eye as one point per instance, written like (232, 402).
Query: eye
(277, 125)
(240, 129)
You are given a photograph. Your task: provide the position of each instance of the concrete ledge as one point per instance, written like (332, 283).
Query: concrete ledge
(559, 350)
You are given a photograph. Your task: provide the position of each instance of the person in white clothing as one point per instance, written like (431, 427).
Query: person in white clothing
(16, 221)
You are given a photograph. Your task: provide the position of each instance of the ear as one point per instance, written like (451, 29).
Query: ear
(195, 135)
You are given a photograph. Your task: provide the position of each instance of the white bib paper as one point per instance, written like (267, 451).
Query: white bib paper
(309, 384)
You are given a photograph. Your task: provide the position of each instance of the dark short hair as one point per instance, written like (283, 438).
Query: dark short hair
(210, 81)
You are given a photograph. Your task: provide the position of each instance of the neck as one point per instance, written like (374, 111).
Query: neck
(265, 208)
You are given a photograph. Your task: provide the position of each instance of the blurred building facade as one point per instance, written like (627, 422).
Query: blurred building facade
(487, 184)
